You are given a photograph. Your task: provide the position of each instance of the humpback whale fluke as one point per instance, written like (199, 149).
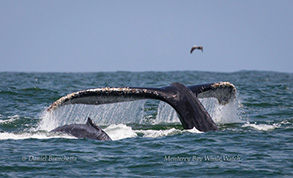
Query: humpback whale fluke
(87, 130)
(196, 47)
(184, 99)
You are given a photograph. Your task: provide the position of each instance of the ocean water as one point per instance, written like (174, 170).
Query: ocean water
(255, 136)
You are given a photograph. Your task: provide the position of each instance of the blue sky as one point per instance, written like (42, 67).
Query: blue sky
(153, 35)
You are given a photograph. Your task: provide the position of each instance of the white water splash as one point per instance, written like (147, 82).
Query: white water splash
(120, 131)
(116, 132)
(37, 135)
(158, 133)
(264, 127)
(162, 133)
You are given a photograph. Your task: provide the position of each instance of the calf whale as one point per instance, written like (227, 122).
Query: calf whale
(184, 99)
(87, 130)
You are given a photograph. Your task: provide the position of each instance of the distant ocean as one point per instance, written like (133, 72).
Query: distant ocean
(255, 136)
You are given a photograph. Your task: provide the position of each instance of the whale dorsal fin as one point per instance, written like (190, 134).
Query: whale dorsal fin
(89, 122)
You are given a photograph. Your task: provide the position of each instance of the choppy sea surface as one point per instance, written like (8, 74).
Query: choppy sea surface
(255, 136)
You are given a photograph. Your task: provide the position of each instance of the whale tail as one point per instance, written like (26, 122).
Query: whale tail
(183, 99)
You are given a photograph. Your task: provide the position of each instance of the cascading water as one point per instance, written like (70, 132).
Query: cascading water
(117, 113)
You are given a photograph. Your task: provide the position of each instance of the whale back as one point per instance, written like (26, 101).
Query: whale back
(87, 130)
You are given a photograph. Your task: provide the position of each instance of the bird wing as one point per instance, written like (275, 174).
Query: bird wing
(192, 49)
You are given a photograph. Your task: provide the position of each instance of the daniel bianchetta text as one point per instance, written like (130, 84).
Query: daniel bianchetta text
(208, 158)
(49, 158)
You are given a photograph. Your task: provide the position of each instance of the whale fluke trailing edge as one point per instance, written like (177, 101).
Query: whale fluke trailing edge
(184, 99)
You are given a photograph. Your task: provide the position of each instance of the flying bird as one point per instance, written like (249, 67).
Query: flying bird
(196, 47)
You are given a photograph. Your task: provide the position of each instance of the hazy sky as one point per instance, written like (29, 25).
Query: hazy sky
(146, 35)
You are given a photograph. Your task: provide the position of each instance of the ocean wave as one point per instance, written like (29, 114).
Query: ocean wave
(116, 132)
(37, 135)
(121, 131)
(168, 132)
(14, 90)
(9, 120)
(263, 127)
